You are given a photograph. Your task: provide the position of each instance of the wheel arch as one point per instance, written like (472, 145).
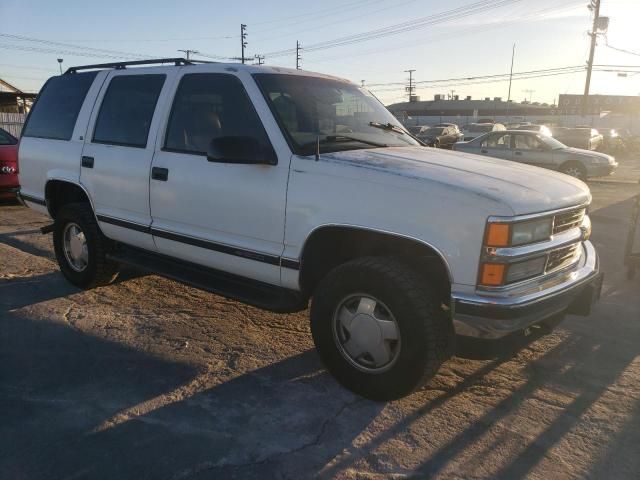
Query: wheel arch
(59, 192)
(330, 245)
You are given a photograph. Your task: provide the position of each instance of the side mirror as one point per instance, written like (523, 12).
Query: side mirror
(241, 150)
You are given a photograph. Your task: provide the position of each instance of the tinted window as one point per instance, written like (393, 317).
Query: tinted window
(55, 112)
(208, 106)
(6, 138)
(127, 110)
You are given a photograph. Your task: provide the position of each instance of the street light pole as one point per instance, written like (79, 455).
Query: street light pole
(60, 60)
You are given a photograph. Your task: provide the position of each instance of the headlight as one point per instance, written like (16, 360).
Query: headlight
(527, 269)
(520, 233)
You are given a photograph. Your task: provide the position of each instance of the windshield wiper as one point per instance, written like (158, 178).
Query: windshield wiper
(344, 138)
(387, 126)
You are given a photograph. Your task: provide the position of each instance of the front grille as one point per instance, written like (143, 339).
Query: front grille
(567, 220)
(562, 257)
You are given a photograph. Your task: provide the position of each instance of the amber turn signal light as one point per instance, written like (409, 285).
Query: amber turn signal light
(498, 235)
(492, 274)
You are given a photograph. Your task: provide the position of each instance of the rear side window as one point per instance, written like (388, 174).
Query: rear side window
(208, 106)
(6, 138)
(55, 112)
(127, 110)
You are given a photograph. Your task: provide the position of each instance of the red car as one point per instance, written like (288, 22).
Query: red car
(8, 165)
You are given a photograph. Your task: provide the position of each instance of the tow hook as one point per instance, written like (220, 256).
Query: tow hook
(47, 229)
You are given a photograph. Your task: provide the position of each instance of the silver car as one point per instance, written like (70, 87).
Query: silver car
(542, 151)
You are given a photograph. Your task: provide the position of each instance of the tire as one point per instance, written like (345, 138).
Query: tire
(425, 334)
(574, 169)
(97, 270)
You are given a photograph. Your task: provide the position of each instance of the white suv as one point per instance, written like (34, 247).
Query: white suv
(277, 186)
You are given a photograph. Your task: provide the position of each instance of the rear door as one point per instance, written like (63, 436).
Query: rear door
(118, 150)
(497, 145)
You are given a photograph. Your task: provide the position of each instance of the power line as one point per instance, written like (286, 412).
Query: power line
(457, 13)
(50, 44)
(188, 52)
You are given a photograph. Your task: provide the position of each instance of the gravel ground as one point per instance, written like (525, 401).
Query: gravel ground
(148, 378)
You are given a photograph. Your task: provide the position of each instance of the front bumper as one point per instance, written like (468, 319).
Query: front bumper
(483, 315)
(601, 170)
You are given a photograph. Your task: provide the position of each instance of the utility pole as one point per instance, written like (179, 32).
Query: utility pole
(298, 57)
(259, 59)
(595, 6)
(410, 89)
(452, 92)
(243, 39)
(187, 52)
(362, 83)
(513, 55)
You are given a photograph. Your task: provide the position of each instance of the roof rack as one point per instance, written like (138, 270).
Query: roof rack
(122, 65)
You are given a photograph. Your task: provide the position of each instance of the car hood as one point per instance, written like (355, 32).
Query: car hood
(522, 188)
(588, 154)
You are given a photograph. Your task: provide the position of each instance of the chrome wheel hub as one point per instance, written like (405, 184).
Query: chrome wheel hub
(366, 333)
(75, 247)
(574, 172)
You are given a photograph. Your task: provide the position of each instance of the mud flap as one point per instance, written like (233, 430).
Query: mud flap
(587, 298)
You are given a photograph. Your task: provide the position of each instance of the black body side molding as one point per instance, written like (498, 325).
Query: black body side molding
(252, 292)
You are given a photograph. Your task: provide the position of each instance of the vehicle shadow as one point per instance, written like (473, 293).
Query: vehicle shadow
(76, 405)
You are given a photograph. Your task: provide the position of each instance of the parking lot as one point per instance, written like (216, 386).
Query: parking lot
(148, 378)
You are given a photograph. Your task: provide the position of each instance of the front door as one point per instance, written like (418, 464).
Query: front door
(116, 157)
(527, 148)
(226, 216)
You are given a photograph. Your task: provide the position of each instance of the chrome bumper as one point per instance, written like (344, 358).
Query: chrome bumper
(488, 315)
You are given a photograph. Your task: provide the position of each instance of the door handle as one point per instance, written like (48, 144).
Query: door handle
(87, 162)
(484, 151)
(158, 173)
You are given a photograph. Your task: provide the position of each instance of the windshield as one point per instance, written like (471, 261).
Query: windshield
(551, 142)
(333, 113)
(433, 131)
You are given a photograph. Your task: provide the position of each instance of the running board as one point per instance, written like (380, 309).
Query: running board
(251, 292)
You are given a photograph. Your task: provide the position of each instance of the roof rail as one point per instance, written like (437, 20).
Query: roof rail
(123, 65)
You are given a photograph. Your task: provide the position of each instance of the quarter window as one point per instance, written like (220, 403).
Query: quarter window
(127, 110)
(209, 106)
(56, 110)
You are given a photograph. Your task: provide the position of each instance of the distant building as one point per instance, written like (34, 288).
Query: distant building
(488, 107)
(571, 104)
(14, 100)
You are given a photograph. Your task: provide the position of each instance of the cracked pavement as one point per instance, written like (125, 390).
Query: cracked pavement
(148, 378)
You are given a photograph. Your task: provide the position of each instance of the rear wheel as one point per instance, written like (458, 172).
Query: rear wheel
(575, 169)
(379, 327)
(81, 248)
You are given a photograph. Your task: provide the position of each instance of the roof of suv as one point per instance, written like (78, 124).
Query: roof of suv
(168, 63)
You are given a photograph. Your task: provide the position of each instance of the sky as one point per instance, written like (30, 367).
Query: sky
(547, 34)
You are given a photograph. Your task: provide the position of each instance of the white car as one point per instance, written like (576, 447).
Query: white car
(278, 186)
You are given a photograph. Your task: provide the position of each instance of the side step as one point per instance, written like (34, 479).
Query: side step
(251, 292)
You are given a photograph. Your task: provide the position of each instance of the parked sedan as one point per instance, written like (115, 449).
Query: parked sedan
(542, 151)
(8, 165)
(541, 129)
(474, 130)
(440, 137)
(579, 137)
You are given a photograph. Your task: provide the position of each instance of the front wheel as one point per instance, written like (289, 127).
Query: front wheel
(379, 328)
(574, 169)
(81, 248)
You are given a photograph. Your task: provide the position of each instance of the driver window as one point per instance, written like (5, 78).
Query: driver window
(528, 142)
